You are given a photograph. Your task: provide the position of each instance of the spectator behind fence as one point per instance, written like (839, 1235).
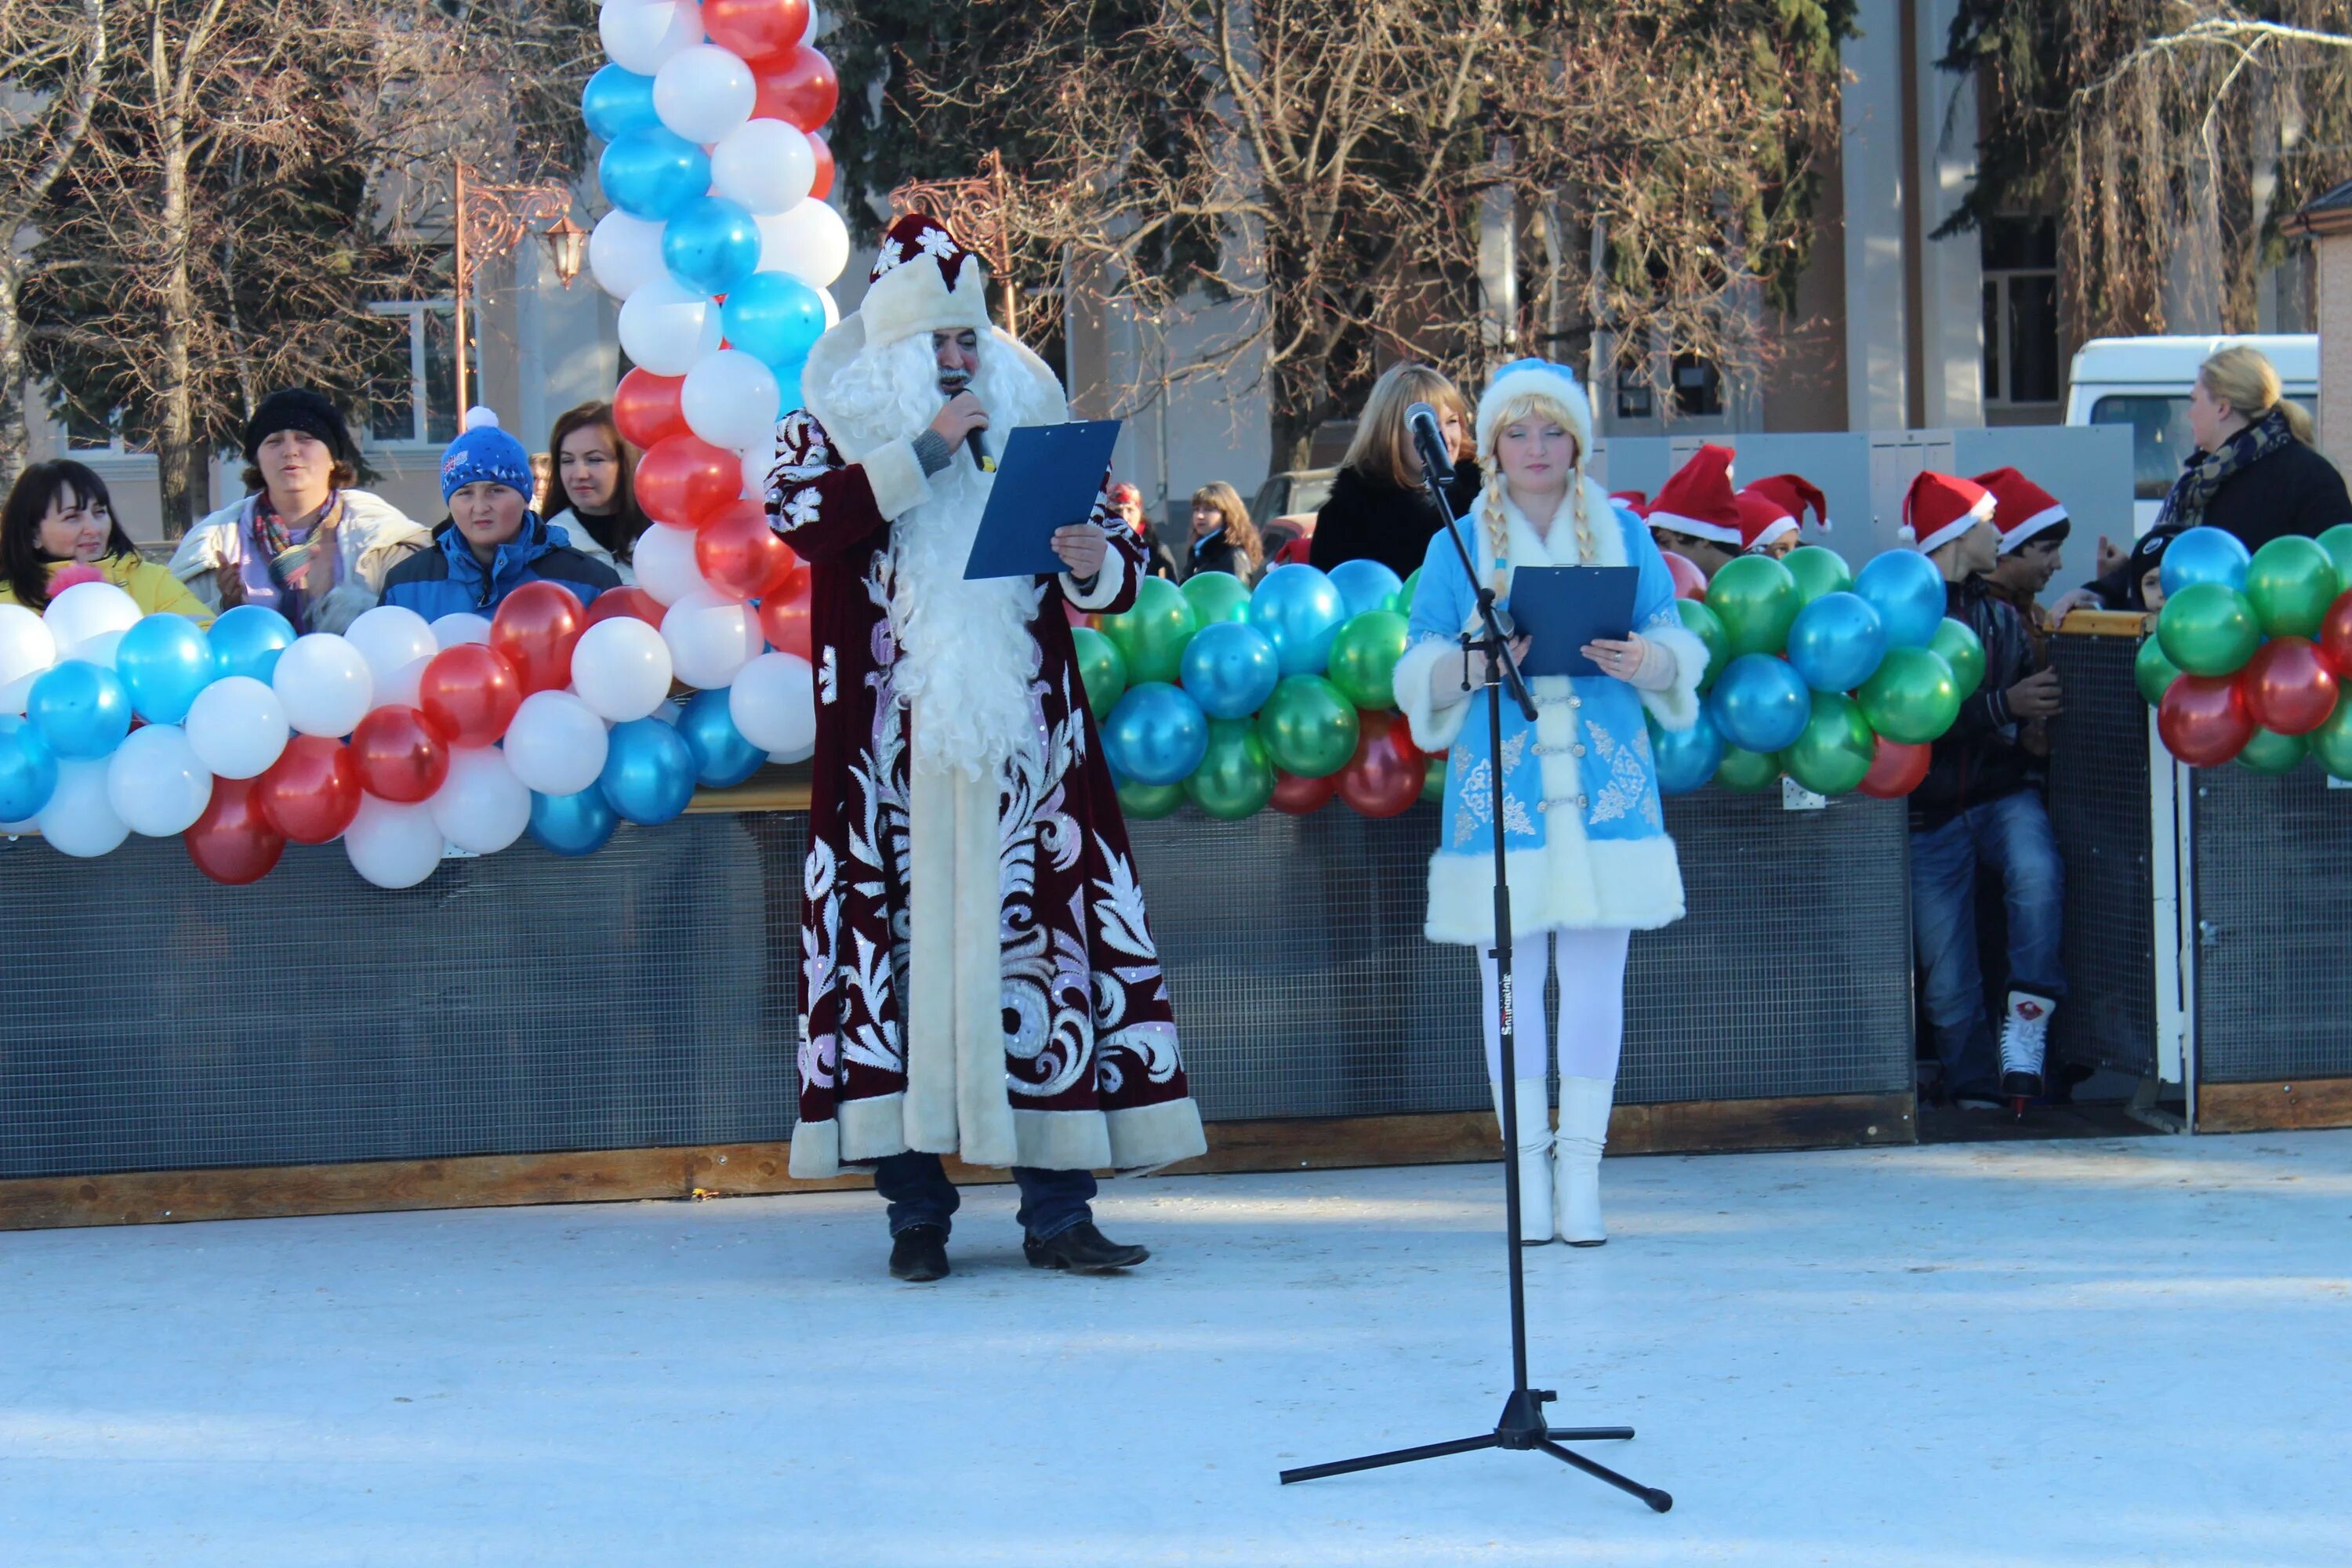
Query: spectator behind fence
(59, 516)
(1982, 801)
(596, 477)
(2255, 471)
(1696, 516)
(1224, 537)
(302, 542)
(1379, 509)
(1127, 502)
(492, 543)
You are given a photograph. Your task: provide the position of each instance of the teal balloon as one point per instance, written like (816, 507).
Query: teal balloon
(1760, 703)
(247, 640)
(1216, 596)
(653, 172)
(1686, 758)
(80, 708)
(776, 319)
(1401, 601)
(1747, 772)
(574, 824)
(1906, 589)
(1156, 734)
(1365, 584)
(616, 102)
(1151, 633)
(1101, 667)
(28, 769)
(1836, 641)
(164, 660)
(721, 755)
(711, 243)
(1300, 612)
(1148, 803)
(648, 773)
(1230, 669)
(2204, 555)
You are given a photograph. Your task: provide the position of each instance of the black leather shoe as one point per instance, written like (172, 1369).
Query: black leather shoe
(1081, 1250)
(918, 1254)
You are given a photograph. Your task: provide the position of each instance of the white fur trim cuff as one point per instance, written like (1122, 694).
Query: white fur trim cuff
(816, 1151)
(1108, 580)
(1434, 728)
(1637, 883)
(1150, 1136)
(914, 298)
(1675, 707)
(896, 477)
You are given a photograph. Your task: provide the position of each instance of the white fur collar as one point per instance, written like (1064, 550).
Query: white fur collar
(1526, 547)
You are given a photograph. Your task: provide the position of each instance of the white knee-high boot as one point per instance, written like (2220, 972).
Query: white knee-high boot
(1576, 1157)
(1535, 1170)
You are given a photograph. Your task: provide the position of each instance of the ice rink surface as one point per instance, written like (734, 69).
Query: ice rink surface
(2136, 1352)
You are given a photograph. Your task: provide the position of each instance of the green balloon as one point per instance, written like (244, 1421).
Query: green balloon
(1433, 786)
(1756, 598)
(1707, 626)
(2332, 741)
(2337, 542)
(1835, 751)
(1103, 668)
(2208, 628)
(2152, 672)
(1217, 596)
(1963, 650)
(2272, 752)
(1152, 634)
(1235, 779)
(1364, 658)
(1747, 772)
(1817, 571)
(1914, 697)
(1307, 727)
(2289, 585)
(1148, 803)
(1401, 600)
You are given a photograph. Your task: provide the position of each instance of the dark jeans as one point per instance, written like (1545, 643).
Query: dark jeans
(917, 1190)
(2012, 835)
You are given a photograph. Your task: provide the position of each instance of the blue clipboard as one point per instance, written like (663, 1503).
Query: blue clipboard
(1047, 477)
(1562, 608)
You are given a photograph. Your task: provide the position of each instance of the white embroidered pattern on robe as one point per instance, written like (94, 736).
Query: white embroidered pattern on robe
(1628, 786)
(1476, 793)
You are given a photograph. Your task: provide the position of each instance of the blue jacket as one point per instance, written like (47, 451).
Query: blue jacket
(446, 580)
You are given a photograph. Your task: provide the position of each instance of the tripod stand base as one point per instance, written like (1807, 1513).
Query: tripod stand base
(1521, 1427)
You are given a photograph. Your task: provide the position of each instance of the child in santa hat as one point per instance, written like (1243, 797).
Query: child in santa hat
(1696, 515)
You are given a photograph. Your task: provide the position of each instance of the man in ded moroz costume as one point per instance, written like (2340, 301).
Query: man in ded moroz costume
(976, 974)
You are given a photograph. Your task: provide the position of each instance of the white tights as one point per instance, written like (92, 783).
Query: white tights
(1592, 1003)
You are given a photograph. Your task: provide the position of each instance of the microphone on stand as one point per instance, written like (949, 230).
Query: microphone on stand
(1429, 439)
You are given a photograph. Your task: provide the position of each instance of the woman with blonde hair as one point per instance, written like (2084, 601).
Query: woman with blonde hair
(1379, 510)
(2254, 472)
(1224, 537)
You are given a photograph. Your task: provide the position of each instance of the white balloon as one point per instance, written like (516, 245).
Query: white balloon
(663, 559)
(667, 327)
(324, 684)
(156, 783)
(710, 637)
(731, 399)
(773, 703)
(704, 92)
(391, 638)
(406, 687)
(642, 35)
(461, 626)
(99, 649)
(482, 805)
(809, 241)
(765, 164)
(800, 755)
(391, 844)
(758, 462)
(621, 668)
(624, 253)
(832, 308)
(27, 647)
(238, 727)
(79, 819)
(556, 744)
(88, 610)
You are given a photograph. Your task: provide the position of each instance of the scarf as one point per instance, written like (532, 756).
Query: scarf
(2203, 473)
(277, 572)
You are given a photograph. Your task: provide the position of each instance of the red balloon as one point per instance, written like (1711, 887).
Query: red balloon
(785, 618)
(685, 481)
(2203, 720)
(1387, 772)
(627, 602)
(1299, 796)
(1896, 768)
(400, 755)
(740, 554)
(312, 792)
(534, 631)
(796, 85)
(646, 407)
(823, 187)
(1690, 582)
(469, 693)
(2336, 636)
(2288, 686)
(754, 27)
(231, 843)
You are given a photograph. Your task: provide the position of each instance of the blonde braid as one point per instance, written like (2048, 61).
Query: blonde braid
(1490, 518)
(1583, 523)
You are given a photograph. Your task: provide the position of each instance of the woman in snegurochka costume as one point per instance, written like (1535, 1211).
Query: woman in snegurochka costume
(1585, 837)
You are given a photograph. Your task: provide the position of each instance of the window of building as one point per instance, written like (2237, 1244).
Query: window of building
(87, 432)
(1699, 386)
(1634, 395)
(412, 392)
(2022, 366)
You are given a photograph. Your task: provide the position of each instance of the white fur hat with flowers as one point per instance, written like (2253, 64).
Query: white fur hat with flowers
(923, 280)
(1556, 383)
(1940, 508)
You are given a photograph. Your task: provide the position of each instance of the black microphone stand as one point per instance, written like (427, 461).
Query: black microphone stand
(1522, 1424)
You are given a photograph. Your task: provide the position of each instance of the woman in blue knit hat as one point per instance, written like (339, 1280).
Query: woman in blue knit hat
(492, 543)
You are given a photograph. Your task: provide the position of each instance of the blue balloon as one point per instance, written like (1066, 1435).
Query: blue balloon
(1836, 642)
(80, 708)
(247, 641)
(1155, 735)
(572, 824)
(2204, 555)
(710, 244)
(1365, 586)
(721, 755)
(1906, 589)
(788, 386)
(1300, 613)
(775, 317)
(648, 773)
(164, 660)
(616, 102)
(1230, 669)
(1686, 758)
(28, 769)
(653, 172)
(1760, 703)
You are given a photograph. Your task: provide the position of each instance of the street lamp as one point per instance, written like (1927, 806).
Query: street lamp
(490, 222)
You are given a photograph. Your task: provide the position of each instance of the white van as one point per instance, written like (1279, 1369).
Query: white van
(2144, 382)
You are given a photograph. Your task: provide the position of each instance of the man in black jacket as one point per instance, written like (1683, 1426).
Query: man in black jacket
(1981, 802)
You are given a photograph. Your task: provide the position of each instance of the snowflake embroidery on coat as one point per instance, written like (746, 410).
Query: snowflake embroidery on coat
(939, 243)
(801, 508)
(1476, 806)
(1629, 782)
(891, 257)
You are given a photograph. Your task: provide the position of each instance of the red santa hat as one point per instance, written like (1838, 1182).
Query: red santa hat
(1940, 508)
(1637, 501)
(1796, 495)
(2021, 508)
(1763, 519)
(923, 280)
(1697, 499)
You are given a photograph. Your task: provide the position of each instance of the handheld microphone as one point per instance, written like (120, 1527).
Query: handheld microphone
(978, 450)
(1429, 439)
